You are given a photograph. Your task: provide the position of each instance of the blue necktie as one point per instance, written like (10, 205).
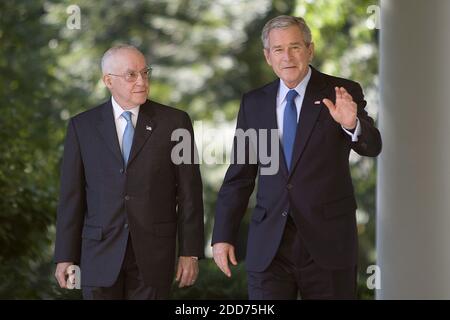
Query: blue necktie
(127, 140)
(289, 126)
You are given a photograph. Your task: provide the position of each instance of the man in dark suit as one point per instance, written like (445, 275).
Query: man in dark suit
(123, 200)
(302, 235)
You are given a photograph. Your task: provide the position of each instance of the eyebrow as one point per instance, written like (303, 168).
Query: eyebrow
(292, 43)
(131, 70)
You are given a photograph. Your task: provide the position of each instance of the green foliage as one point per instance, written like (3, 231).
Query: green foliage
(28, 176)
(205, 55)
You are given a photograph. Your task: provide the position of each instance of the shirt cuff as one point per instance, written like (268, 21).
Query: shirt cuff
(356, 132)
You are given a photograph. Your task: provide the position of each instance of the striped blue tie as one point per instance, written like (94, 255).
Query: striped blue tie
(289, 126)
(127, 140)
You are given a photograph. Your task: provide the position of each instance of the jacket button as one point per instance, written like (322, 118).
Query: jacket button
(289, 186)
(125, 226)
(284, 214)
(121, 170)
(127, 198)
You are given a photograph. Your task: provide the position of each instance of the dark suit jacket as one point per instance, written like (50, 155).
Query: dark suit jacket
(102, 202)
(317, 192)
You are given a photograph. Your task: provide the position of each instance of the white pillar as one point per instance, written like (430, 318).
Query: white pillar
(413, 191)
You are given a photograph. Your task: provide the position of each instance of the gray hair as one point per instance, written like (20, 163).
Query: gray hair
(282, 22)
(111, 52)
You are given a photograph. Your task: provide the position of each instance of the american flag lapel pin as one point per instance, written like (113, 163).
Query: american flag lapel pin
(148, 128)
(317, 102)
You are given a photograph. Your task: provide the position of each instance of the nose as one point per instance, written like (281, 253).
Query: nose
(287, 54)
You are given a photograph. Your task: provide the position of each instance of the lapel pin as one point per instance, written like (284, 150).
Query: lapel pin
(317, 102)
(148, 128)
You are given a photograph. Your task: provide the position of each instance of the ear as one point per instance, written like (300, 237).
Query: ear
(107, 81)
(267, 56)
(311, 51)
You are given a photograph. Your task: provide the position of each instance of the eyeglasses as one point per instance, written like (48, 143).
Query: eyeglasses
(132, 76)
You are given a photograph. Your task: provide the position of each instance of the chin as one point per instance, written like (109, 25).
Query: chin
(291, 81)
(291, 78)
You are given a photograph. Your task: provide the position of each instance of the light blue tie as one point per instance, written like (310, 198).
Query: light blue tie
(127, 140)
(289, 126)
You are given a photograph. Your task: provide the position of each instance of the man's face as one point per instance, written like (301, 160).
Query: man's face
(288, 55)
(127, 94)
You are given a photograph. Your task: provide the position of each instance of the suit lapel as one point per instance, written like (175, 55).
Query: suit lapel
(270, 113)
(107, 128)
(308, 114)
(144, 127)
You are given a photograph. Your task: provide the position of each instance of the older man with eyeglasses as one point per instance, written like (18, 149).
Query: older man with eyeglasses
(123, 201)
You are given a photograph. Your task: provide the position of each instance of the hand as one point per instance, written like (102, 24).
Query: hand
(345, 110)
(61, 273)
(187, 271)
(221, 252)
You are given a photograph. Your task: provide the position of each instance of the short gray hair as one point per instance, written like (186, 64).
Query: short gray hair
(113, 50)
(282, 22)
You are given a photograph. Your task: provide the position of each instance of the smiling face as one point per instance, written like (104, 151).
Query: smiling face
(288, 54)
(127, 94)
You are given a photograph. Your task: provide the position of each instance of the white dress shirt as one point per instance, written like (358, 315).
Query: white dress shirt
(301, 89)
(120, 121)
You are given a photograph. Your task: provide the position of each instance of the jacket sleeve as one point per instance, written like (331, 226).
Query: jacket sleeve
(191, 239)
(72, 201)
(369, 142)
(237, 187)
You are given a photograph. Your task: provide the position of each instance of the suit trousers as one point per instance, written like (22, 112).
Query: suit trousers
(294, 274)
(129, 284)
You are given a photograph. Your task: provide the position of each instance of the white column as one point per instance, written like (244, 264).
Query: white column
(413, 191)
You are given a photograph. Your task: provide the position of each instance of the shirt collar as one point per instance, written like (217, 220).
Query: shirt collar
(300, 88)
(118, 110)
